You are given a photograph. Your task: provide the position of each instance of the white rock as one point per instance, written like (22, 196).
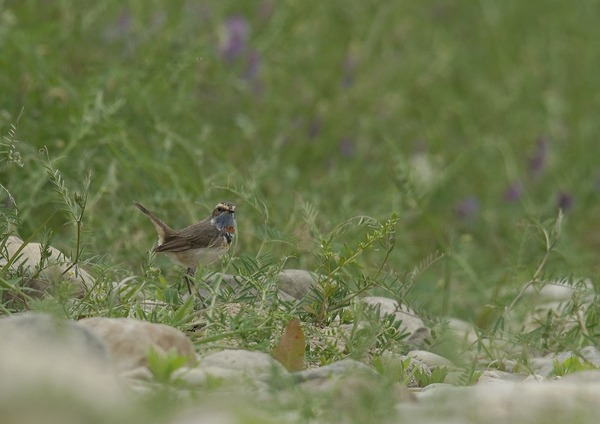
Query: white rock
(431, 359)
(551, 298)
(586, 376)
(54, 269)
(432, 390)
(539, 313)
(386, 305)
(534, 378)
(52, 330)
(592, 355)
(139, 373)
(129, 340)
(54, 370)
(542, 365)
(200, 375)
(210, 416)
(557, 291)
(344, 366)
(463, 330)
(296, 283)
(411, 323)
(546, 402)
(545, 366)
(218, 283)
(251, 363)
(497, 376)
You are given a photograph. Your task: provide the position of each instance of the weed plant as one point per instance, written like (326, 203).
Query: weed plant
(442, 154)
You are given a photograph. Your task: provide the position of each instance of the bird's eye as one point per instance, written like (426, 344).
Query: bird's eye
(220, 209)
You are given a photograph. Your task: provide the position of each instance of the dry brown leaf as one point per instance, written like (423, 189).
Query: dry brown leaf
(290, 350)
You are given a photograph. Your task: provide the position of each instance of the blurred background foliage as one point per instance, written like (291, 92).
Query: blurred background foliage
(473, 121)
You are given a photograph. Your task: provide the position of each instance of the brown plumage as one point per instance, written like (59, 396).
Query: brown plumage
(203, 242)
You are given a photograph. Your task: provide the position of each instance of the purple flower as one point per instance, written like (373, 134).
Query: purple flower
(565, 201)
(347, 147)
(314, 128)
(468, 208)
(124, 22)
(121, 29)
(513, 192)
(236, 38)
(539, 157)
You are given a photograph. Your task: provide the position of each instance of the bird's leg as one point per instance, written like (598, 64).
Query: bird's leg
(189, 279)
(189, 275)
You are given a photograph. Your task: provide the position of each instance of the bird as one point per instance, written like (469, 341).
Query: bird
(200, 243)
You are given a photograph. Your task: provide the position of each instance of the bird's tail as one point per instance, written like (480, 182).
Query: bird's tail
(162, 229)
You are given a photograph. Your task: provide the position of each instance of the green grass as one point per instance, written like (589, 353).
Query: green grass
(417, 116)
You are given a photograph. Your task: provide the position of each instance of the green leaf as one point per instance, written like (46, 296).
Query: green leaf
(163, 366)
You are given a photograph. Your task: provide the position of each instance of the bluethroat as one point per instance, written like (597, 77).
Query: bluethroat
(200, 243)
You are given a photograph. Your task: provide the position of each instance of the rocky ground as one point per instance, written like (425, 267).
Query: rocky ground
(127, 370)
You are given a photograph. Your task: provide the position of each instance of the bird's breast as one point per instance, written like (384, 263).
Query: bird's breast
(192, 257)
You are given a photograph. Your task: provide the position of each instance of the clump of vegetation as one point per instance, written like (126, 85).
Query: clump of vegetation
(438, 155)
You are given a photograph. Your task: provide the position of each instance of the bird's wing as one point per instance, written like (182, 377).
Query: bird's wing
(196, 236)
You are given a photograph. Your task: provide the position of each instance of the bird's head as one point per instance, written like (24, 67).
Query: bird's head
(223, 216)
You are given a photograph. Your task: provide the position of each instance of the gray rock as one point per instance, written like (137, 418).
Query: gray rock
(293, 284)
(410, 322)
(201, 375)
(56, 268)
(220, 284)
(211, 416)
(537, 314)
(587, 376)
(336, 368)
(423, 361)
(345, 393)
(463, 330)
(542, 365)
(545, 366)
(296, 283)
(433, 387)
(557, 291)
(497, 376)
(351, 391)
(534, 378)
(129, 340)
(46, 329)
(551, 298)
(139, 373)
(412, 366)
(431, 359)
(546, 402)
(54, 370)
(592, 355)
(246, 362)
(455, 378)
